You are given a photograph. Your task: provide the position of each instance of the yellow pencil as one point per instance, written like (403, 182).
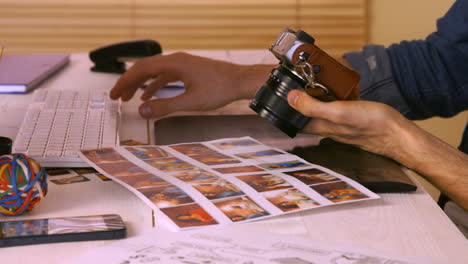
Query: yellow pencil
(1, 51)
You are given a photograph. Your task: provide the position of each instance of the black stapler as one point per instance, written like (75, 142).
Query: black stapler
(108, 58)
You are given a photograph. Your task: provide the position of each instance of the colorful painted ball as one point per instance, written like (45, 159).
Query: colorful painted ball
(23, 183)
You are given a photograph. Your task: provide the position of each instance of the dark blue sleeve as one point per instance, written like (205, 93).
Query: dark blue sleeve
(432, 74)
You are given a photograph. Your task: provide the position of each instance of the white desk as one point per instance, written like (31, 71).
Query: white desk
(406, 224)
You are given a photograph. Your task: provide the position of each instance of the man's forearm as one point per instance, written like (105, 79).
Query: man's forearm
(438, 162)
(251, 78)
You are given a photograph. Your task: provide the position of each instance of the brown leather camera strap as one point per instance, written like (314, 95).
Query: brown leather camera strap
(340, 80)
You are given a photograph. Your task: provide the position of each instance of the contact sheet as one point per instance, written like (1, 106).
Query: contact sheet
(222, 181)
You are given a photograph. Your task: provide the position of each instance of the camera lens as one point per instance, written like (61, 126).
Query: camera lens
(271, 102)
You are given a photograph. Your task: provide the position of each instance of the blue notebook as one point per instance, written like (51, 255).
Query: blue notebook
(21, 73)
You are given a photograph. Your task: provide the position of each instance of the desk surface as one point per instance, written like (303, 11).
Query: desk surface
(401, 223)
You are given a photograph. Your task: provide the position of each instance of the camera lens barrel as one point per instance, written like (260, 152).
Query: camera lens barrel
(271, 102)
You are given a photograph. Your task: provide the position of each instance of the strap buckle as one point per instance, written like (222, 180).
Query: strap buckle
(307, 72)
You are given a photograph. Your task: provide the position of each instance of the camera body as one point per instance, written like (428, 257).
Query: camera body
(305, 67)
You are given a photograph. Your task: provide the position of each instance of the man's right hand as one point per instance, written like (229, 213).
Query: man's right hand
(209, 84)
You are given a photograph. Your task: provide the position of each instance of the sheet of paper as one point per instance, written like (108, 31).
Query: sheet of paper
(232, 246)
(223, 181)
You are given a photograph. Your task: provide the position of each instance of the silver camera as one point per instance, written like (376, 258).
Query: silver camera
(270, 101)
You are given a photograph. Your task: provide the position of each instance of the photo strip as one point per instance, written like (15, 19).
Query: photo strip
(223, 181)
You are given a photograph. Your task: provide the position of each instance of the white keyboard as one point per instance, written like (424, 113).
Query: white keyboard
(59, 123)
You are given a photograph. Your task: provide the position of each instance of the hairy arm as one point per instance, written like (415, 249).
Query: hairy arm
(443, 165)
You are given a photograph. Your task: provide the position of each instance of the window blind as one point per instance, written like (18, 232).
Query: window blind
(79, 26)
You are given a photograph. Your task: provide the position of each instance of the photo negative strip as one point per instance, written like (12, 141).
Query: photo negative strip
(103, 155)
(148, 152)
(283, 165)
(265, 182)
(217, 189)
(312, 176)
(259, 154)
(143, 181)
(240, 169)
(194, 174)
(85, 170)
(240, 208)
(236, 143)
(102, 177)
(338, 191)
(121, 168)
(166, 195)
(70, 180)
(290, 200)
(60, 172)
(215, 159)
(192, 149)
(131, 142)
(169, 164)
(189, 215)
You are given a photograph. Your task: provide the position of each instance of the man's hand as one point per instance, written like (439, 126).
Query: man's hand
(369, 125)
(379, 128)
(209, 84)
